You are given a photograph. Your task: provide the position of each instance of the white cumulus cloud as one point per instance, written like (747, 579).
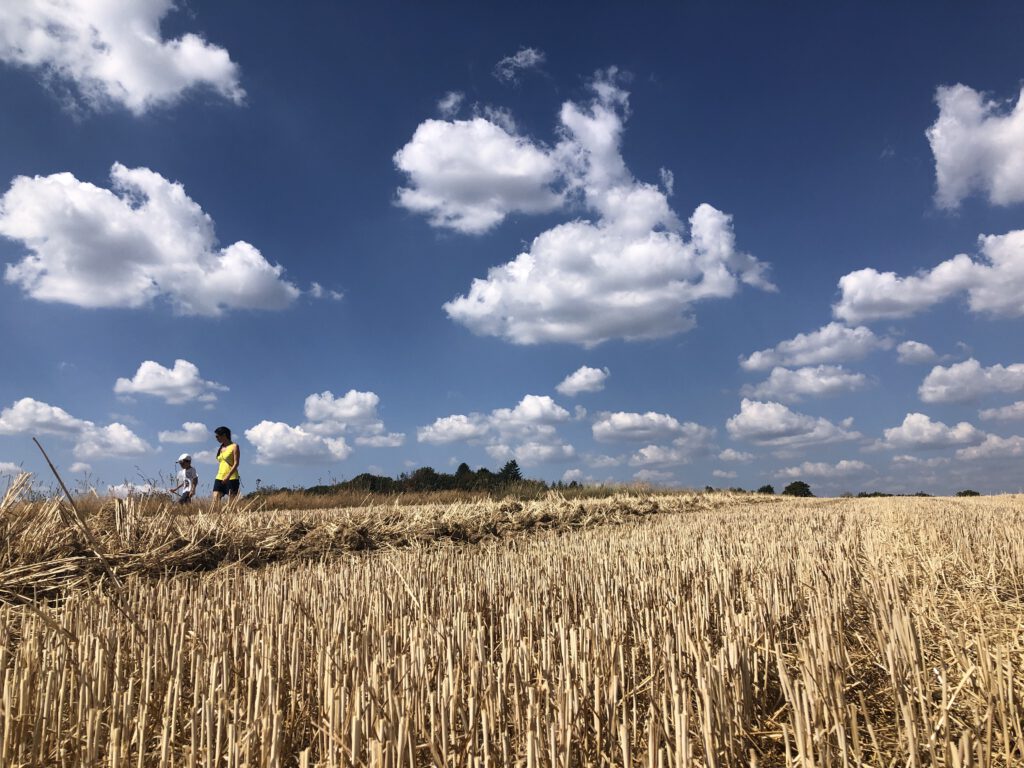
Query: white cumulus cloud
(962, 382)
(993, 284)
(527, 432)
(94, 247)
(919, 431)
(28, 416)
(731, 454)
(725, 474)
(113, 440)
(468, 175)
(9, 469)
(280, 443)
(843, 468)
(833, 343)
(1013, 411)
(978, 144)
(113, 52)
(585, 379)
(792, 385)
(914, 352)
(177, 385)
(994, 447)
(454, 428)
(695, 440)
(623, 425)
(630, 273)
(190, 432)
(328, 414)
(773, 424)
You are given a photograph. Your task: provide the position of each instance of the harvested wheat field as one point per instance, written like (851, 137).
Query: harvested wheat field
(686, 630)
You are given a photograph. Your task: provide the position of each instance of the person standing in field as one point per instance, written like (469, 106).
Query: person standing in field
(227, 480)
(188, 480)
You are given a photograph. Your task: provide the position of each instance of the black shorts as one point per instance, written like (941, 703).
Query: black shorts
(229, 487)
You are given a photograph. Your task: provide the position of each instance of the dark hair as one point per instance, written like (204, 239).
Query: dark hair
(222, 431)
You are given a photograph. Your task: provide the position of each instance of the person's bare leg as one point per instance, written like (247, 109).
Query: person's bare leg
(216, 497)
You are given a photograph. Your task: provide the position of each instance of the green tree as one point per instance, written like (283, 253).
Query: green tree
(797, 488)
(768, 489)
(967, 492)
(510, 473)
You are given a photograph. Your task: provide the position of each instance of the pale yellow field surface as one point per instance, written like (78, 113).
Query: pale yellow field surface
(689, 630)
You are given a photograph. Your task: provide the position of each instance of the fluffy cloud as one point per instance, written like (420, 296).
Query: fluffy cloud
(532, 452)
(969, 381)
(787, 385)
(8, 469)
(920, 432)
(277, 442)
(80, 467)
(30, 415)
(452, 429)
(730, 454)
(534, 414)
(508, 69)
(113, 52)
(1014, 411)
(725, 474)
(843, 468)
(94, 247)
(993, 284)
(913, 352)
(571, 475)
(113, 440)
(531, 423)
(694, 440)
(637, 426)
(190, 432)
(832, 343)
(328, 417)
(328, 414)
(978, 146)
(180, 384)
(907, 460)
(994, 447)
(629, 274)
(583, 380)
(468, 175)
(773, 424)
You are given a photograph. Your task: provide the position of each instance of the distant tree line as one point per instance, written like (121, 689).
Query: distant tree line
(510, 479)
(425, 479)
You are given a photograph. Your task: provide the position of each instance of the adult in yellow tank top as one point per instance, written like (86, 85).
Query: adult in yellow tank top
(227, 481)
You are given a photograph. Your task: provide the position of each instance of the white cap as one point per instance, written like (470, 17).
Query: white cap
(184, 457)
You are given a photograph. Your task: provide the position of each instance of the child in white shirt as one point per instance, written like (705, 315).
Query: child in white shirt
(188, 479)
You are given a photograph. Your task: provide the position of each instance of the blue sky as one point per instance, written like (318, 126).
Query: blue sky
(690, 244)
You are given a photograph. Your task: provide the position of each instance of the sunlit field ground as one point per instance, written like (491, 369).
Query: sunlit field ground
(671, 630)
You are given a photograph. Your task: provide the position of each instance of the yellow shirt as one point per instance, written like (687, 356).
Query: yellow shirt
(223, 456)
